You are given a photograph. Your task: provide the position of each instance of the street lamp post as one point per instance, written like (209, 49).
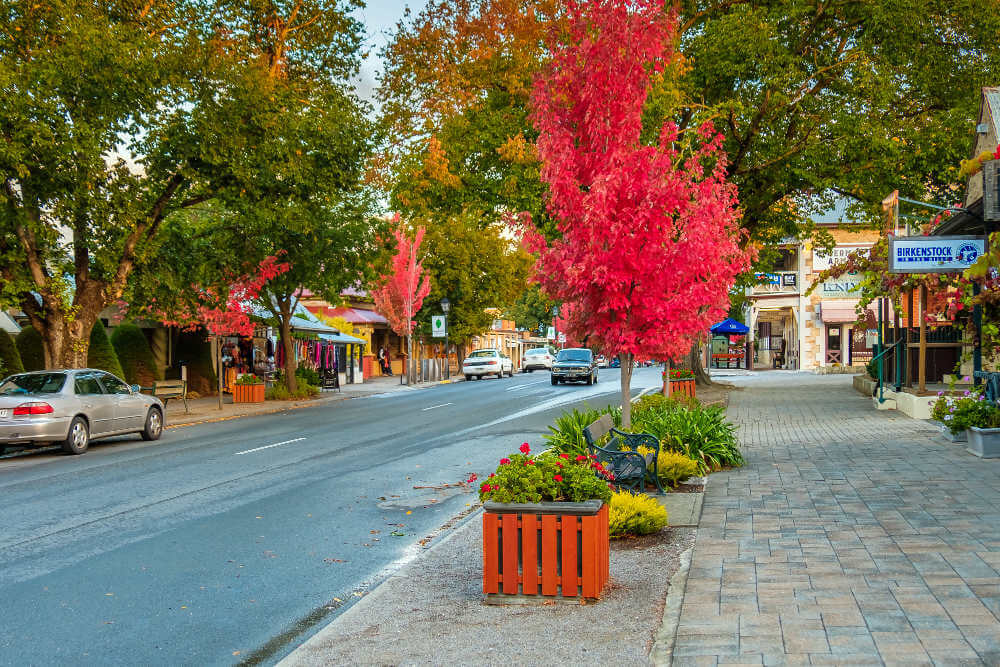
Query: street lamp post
(446, 306)
(555, 325)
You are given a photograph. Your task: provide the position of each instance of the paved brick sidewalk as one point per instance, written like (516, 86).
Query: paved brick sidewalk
(851, 537)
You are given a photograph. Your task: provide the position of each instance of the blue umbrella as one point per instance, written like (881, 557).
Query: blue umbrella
(730, 327)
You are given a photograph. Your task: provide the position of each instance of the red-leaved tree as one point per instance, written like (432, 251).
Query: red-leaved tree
(401, 293)
(649, 245)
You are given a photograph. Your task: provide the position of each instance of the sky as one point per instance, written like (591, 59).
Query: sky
(379, 18)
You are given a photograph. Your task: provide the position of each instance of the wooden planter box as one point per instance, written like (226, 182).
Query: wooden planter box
(248, 393)
(545, 550)
(984, 442)
(682, 387)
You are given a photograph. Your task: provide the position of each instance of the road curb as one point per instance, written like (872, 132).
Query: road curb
(303, 404)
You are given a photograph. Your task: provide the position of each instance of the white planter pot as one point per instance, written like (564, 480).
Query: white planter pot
(984, 442)
(948, 435)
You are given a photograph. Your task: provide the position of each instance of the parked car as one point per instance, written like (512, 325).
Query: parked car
(574, 364)
(602, 361)
(487, 362)
(540, 358)
(615, 363)
(73, 407)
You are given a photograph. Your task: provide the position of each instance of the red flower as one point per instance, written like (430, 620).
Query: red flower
(558, 478)
(485, 488)
(581, 457)
(504, 461)
(564, 455)
(529, 462)
(558, 463)
(492, 475)
(472, 478)
(525, 448)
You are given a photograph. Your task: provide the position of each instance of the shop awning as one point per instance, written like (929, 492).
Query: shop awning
(846, 311)
(342, 338)
(356, 315)
(8, 324)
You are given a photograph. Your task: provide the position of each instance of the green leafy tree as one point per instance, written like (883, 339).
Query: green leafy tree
(116, 115)
(135, 355)
(10, 359)
(101, 354)
(29, 346)
(532, 310)
(473, 265)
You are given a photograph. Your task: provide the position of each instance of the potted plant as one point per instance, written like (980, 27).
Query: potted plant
(248, 388)
(681, 382)
(984, 430)
(943, 414)
(545, 527)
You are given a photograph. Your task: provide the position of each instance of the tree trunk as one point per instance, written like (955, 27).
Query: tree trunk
(409, 359)
(65, 339)
(626, 363)
(285, 324)
(694, 361)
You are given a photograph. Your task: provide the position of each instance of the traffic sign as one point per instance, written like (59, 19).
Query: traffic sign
(438, 327)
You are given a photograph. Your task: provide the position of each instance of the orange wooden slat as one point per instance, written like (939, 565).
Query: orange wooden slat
(529, 555)
(550, 565)
(491, 554)
(589, 555)
(510, 553)
(569, 556)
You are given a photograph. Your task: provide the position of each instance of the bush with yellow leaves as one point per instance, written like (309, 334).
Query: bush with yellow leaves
(672, 467)
(632, 514)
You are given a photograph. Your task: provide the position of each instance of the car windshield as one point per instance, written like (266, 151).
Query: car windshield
(532, 353)
(483, 353)
(573, 355)
(34, 383)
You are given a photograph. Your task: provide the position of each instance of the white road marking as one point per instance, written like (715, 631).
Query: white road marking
(277, 444)
(434, 406)
(522, 386)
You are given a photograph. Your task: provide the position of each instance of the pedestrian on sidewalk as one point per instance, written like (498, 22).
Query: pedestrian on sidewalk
(383, 361)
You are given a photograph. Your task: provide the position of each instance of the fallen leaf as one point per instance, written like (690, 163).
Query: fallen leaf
(183, 607)
(109, 594)
(260, 517)
(337, 600)
(236, 652)
(374, 532)
(333, 560)
(409, 511)
(398, 533)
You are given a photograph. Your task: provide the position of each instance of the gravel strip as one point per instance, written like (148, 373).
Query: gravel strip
(431, 612)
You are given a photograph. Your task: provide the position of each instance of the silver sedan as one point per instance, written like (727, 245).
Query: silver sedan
(73, 407)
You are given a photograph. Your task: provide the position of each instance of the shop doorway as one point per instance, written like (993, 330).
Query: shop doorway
(834, 346)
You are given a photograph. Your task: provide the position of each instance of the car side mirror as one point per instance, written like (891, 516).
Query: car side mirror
(135, 389)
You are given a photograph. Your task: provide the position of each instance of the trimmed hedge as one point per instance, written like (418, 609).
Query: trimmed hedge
(135, 355)
(10, 359)
(29, 346)
(100, 354)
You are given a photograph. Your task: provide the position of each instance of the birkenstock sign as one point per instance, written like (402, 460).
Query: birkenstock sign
(934, 254)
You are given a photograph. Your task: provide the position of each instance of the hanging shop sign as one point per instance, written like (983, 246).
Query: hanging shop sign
(767, 278)
(934, 254)
(823, 260)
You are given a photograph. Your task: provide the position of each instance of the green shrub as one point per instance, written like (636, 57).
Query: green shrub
(247, 379)
(29, 346)
(566, 435)
(307, 375)
(279, 392)
(634, 514)
(135, 355)
(872, 368)
(654, 404)
(673, 467)
(701, 433)
(10, 359)
(102, 355)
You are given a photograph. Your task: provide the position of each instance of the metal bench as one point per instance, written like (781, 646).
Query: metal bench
(167, 389)
(620, 455)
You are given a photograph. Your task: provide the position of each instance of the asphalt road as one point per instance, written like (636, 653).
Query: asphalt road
(232, 542)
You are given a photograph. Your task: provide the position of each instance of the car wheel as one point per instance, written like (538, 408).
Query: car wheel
(468, 377)
(529, 370)
(154, 425)
(590, 379)
(555, 380)
(78, 438)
